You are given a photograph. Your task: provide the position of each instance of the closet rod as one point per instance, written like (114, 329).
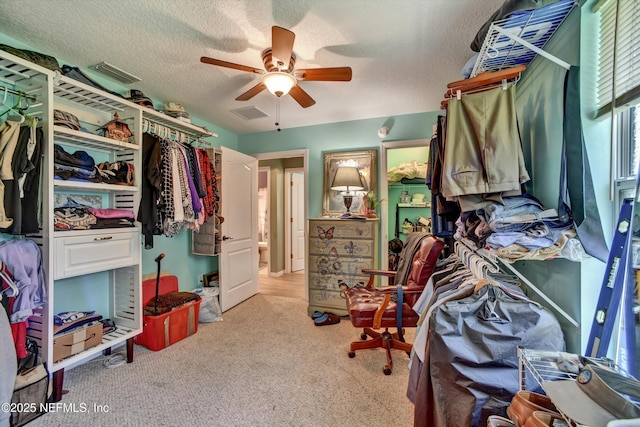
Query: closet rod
(170, 131)
(17, 92)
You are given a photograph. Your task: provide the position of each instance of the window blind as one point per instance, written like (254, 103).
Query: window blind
(619, 52)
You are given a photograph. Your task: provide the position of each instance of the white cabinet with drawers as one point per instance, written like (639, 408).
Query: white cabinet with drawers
(91, 253)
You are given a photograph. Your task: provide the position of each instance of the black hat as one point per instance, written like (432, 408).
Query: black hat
(137, 97)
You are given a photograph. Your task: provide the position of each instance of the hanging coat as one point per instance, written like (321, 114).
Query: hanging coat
(471, 364)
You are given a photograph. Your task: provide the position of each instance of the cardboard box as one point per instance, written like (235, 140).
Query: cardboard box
(75, 341)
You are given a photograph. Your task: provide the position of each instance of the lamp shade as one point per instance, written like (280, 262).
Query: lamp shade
(278, 83)
(347, 178)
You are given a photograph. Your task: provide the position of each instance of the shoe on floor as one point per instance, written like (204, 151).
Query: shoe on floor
(545, 419)
(327, 319)
(525, 403)
(498, 421)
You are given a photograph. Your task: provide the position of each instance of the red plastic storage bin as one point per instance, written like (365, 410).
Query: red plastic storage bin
(161, 331)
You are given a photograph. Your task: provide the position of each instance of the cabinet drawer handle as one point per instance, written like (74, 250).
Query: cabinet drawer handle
(104, 238)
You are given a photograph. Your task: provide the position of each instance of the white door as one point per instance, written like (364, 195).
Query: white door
(297, 221)
(239, 248)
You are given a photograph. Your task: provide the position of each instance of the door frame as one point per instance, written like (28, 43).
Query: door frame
(289, 214)
(287, 154)
(268, 171)
(384, 184)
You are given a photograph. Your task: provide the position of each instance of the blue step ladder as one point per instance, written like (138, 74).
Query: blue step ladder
(617, 283)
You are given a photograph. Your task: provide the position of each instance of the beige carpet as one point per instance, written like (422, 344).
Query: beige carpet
(265, 364)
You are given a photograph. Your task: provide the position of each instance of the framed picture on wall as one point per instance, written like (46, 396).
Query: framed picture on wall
(367, 164)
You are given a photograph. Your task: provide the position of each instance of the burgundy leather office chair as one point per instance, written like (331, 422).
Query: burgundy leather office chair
(374, 308)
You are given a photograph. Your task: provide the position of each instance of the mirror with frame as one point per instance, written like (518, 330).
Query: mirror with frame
(367, 163)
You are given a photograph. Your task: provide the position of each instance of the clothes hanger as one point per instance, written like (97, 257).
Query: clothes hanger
(482, 82)
(18, 117)
(12, 285)
(4, 99)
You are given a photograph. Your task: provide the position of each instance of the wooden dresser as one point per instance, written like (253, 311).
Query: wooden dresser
(338, 251)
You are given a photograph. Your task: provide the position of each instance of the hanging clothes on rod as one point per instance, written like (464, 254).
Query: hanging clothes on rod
(483, 158)
(22, 260)
(22, 189)
(179, 186)
(470, 327)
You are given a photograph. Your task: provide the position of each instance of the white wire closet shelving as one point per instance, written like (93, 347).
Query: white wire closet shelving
(518, 38)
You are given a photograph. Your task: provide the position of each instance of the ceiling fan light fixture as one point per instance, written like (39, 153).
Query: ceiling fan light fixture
(278, 82)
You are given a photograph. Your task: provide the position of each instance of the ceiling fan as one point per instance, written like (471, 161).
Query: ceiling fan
(279, 75)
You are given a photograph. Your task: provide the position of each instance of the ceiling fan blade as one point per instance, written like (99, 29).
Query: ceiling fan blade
(337, 74)
(301, 97)
(226, 64)
(251, 92)
(282, 46)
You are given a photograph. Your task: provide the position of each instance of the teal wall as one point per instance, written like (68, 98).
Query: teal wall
(341, 136)
(572, 285)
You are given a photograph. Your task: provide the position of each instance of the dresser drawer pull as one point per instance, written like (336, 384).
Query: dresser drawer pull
(104, 238)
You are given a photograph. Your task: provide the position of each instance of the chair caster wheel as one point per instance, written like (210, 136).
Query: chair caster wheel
(363, 336)
(352, 354)
(386, 370)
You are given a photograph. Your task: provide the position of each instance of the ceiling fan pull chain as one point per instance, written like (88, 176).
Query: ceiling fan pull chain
(278, 114)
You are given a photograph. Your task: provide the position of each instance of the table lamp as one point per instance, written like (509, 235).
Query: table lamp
(348, 180)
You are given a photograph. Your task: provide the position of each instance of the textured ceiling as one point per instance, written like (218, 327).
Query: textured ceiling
(402, 52)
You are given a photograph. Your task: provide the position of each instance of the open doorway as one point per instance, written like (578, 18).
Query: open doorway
(263, 217)
(286, 244)
(295, 227)
(393, 213)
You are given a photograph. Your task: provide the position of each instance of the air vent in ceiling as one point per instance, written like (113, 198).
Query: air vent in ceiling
(115, 73)
(250, 113)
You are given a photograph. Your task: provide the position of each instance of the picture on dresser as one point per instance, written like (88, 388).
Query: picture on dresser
(367, 164)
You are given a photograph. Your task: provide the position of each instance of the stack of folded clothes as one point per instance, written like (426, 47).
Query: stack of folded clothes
(79, 166)
(112, 218)
(70, 320)
(84, 218)
(73, 218)
(118, 173)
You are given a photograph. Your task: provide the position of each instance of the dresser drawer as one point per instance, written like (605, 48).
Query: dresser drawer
(342, 229)
(90, 253)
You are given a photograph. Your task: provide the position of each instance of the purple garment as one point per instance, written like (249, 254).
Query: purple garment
(111, 213)
(195, 200)
(24, 260)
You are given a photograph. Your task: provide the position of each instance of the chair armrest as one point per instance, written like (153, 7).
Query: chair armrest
(372, 272)
(377, 317)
